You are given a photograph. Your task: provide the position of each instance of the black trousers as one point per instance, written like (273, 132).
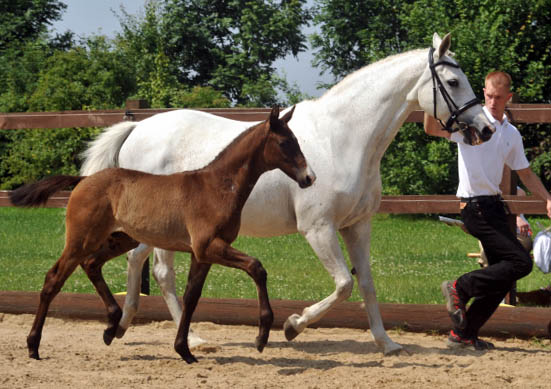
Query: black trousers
(486, 219)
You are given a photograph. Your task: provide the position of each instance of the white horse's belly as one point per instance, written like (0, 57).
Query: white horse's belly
(269, 210)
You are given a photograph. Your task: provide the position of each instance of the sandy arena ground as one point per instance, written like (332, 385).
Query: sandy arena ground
(74, 356)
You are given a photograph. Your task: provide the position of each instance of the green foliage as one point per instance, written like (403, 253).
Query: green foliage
(511, 35)
(417, 164)
(25, 20)
(34, 154)
(232, 46)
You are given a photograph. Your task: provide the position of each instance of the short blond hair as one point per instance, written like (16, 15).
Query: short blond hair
(499, 78)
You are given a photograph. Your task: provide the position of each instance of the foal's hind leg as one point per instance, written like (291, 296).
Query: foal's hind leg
(55, 278)
(118, 243)
(196, 279)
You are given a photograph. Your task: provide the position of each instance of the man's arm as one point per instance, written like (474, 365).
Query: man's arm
(534, 185)
(432, 127)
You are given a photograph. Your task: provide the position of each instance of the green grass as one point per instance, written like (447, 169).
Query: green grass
(410, 256)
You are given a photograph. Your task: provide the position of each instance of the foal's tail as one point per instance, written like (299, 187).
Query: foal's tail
(103, 152)
(38, 193)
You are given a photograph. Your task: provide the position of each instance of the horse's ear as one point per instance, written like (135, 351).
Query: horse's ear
(444, 45)
(289, 115)
(274, 116)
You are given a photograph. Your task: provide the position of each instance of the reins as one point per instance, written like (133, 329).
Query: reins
(455, 111)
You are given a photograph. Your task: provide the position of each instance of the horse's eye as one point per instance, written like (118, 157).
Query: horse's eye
(453, 82)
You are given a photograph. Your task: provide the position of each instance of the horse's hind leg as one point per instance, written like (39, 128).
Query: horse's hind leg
(136, 259)
(117, 244)
(55, 278)
(196, 279)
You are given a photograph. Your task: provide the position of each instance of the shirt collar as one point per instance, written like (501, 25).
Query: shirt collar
(494, 121)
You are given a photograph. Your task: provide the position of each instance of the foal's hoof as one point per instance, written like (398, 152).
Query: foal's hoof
(34, 354)
(189, 358)
(260, 343)
(289, 327)
(108, 336)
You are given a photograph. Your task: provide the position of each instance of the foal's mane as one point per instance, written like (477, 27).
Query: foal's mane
(227, 149)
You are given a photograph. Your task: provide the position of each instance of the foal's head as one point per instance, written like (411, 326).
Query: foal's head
(282, 151)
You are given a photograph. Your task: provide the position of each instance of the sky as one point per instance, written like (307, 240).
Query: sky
(85, 17)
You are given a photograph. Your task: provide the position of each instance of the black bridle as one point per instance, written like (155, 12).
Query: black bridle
(455, 111)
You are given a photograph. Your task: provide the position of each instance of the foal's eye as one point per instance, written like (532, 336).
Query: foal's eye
(453, 82)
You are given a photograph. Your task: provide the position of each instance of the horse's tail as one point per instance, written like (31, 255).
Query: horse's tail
(103, 152)
(38, 193)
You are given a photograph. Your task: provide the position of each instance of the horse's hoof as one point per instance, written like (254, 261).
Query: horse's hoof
(108, 337)
(34, 354)
(189, 358)
(195, 341)
(289, 328)
(120, 332)
(393, 349)
(260, 343)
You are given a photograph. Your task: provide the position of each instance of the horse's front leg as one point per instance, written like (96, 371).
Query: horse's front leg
(196, 279)
(323, 239)
(118, 243)
(358, 239)
(135, 261)
(222, 253)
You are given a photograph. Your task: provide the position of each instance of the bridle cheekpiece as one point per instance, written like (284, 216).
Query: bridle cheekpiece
(455, 111)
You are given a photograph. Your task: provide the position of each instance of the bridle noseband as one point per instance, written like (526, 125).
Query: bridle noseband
(455, 111)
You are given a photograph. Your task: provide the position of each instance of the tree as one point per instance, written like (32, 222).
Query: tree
(511, 35)
(25, 20)
(230, 46)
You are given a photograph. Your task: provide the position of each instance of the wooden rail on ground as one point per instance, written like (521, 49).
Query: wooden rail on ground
(507, 321)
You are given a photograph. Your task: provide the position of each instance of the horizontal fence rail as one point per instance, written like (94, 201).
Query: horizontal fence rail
(519, 113)
(446, 204)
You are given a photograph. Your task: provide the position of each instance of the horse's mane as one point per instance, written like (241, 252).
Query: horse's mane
(351, 77)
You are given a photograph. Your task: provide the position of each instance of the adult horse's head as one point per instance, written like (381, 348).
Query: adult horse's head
(282, 150)
(445, 92)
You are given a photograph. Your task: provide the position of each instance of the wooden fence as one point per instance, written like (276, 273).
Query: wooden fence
(519, 113)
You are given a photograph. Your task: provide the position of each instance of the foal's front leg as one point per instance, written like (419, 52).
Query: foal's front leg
(196, 279)
(222, 253)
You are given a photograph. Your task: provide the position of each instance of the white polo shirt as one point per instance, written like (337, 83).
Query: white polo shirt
(481, 166)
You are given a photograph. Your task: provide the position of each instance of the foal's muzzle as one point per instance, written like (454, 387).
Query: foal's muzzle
(307, 179)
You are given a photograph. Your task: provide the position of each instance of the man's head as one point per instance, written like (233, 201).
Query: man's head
(497, 93)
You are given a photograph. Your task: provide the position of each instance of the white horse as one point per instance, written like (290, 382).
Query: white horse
(344, 134)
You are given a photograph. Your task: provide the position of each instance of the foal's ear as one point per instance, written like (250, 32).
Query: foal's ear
(289, 115)
(274, 116)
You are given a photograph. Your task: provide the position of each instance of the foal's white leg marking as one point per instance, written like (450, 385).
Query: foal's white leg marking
(163, 272)
(357, 239)
(325, 243)
(136, 259)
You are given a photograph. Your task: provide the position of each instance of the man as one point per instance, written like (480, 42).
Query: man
(485, 216)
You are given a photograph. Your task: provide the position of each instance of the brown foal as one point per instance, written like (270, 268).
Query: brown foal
(197, 212)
